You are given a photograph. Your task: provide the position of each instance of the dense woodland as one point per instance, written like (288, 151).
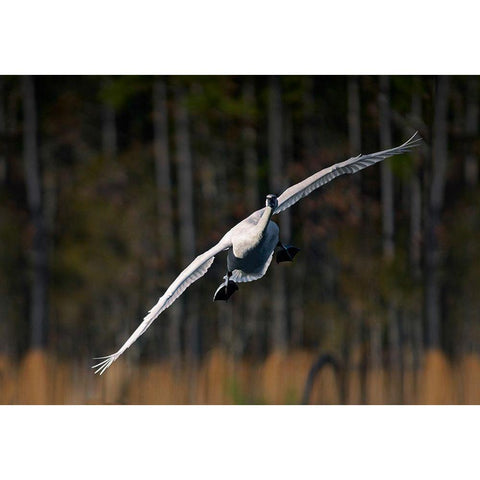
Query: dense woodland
(110, 186)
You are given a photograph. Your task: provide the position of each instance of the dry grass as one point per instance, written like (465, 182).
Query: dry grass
(34, 381)
(325, 389)
(274, 378)
(157, 384)
(377, 391)
(216, 373)
(7, 381)
(62, 384)
(283, 376)
(354, 387)
(469, 374)
(410, 387)
(354, 379)
(280, 379)
(436, 384)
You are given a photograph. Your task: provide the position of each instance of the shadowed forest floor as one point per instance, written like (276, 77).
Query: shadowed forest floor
(280, 379)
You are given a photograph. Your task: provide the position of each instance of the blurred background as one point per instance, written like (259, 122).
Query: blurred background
(110, 186)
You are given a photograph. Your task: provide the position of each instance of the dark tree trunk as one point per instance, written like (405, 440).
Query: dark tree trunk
(276, 173)
(308, 133)
(109, 129)
(3, 125)
(250, 156)
(388, 216)
(415, 189)
(165, 209)
(354, 116)
(386, 171)
(356, 390)
(5, 338)
(413, 317)
(435, 204)
(355, 138)
(185, 213)
(415, 223)
(162, 170)
(471, 131)
(39, 254)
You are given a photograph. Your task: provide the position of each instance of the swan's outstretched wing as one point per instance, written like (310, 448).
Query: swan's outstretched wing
(191, 274)
(296, 192)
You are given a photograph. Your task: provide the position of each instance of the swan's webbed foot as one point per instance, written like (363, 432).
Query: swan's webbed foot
(225, 291)
(286, 253)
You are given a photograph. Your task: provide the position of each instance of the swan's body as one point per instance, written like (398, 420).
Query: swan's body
(252, 242)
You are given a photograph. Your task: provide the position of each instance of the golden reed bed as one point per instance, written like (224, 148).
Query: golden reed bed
(280, 379)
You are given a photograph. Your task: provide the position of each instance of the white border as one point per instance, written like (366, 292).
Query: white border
(240, 442)
(248, 37)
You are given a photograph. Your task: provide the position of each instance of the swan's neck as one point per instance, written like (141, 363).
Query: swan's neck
(264, 219)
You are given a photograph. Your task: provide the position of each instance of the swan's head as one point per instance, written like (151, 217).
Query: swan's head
(271, 201)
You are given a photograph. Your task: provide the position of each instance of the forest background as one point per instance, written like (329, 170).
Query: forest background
(109, 186)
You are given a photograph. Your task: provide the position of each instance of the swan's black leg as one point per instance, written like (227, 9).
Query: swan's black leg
(286, 253)
(226, 289)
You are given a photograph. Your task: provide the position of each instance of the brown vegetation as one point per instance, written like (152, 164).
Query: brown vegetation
(220, 379)
(34, 382)
(437, 383)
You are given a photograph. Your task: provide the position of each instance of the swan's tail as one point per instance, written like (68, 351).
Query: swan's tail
(105, 363)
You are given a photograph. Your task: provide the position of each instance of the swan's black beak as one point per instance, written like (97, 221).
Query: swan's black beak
(271, 201)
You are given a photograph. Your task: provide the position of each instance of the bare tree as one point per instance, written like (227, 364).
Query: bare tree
(386, 170)
(39, 254)
(185, 212)
(4, 328)
(275, 144)
(250, 156)
(435, 204)
(354, 116)
(471, 131)
(355, 147)
(109, 128)
(165, 208)
(415, 190)
(3, 127)
(385, 130)
(416, 225)
(162, 167)
(308, 133)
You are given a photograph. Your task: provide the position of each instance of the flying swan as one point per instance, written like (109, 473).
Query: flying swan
(252, 242)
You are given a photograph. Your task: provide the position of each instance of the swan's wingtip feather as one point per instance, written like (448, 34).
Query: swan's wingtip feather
(104, 364)
(415, 138)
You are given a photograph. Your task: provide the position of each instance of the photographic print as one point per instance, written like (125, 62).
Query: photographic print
(282, 239)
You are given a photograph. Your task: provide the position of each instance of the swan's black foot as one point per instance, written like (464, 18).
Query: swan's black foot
(224, 292)
(286, 253)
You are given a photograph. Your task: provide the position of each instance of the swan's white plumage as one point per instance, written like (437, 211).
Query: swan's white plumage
(238, 276)
(242, 233)
(296, 192)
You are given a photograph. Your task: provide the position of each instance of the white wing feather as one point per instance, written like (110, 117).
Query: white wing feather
(191, 274)
(294, 193)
